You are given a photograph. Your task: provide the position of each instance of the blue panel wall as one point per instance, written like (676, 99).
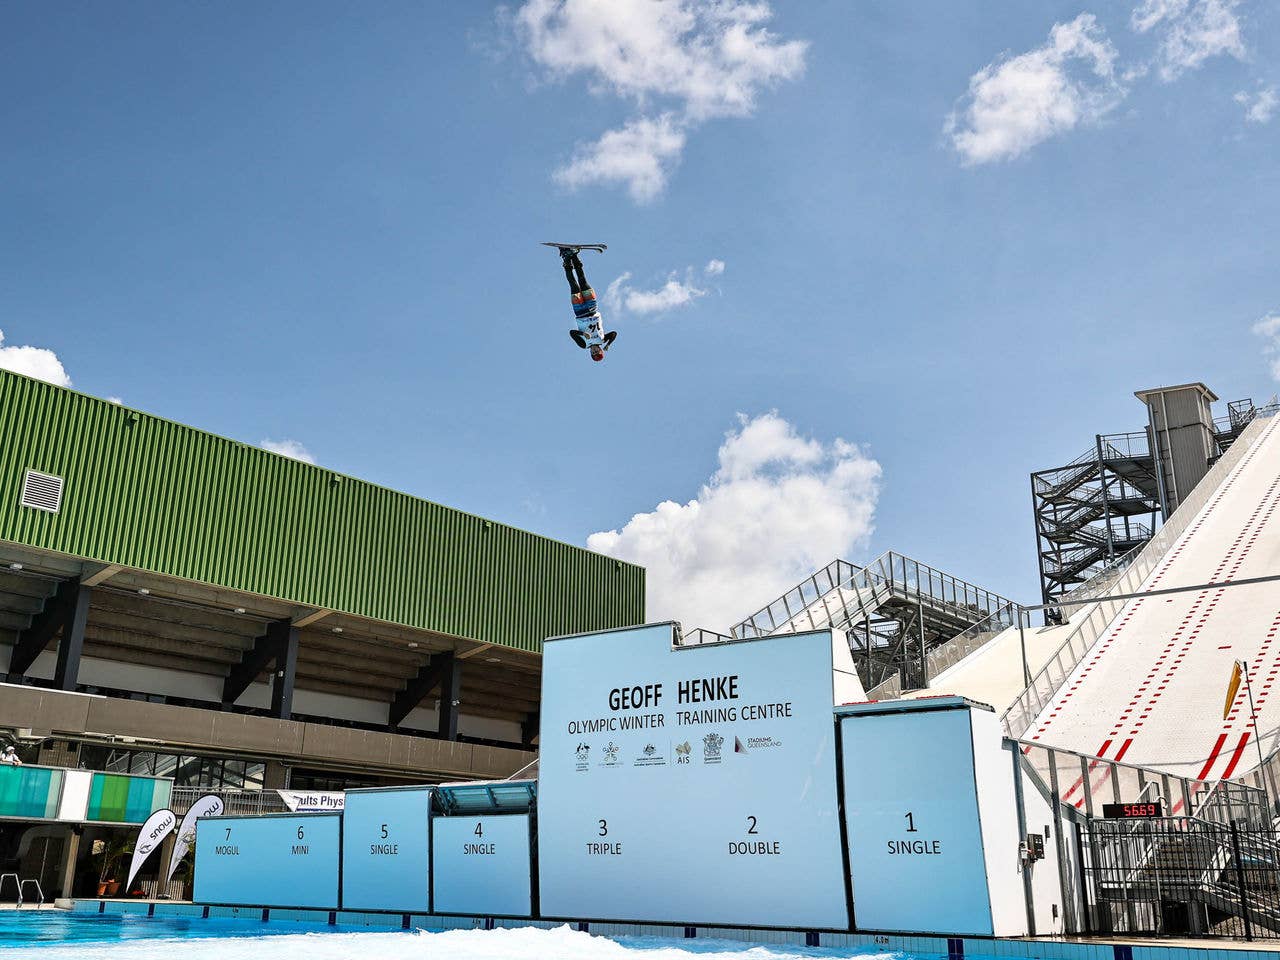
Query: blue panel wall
(694, 785)
(481, 865)
(274, 861)
(911, 809)
(386, 854)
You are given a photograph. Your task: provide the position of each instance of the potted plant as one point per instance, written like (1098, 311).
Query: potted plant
(185, 872)
(114, 850)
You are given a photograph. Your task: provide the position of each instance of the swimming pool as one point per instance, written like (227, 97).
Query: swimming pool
(50, 935)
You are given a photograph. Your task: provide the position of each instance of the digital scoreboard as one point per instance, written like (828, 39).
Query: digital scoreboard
(690, 785)
(1132, 811)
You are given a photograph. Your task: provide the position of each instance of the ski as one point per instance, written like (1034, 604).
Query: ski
(597, 247)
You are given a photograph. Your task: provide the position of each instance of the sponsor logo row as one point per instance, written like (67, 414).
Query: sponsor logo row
(712, 747)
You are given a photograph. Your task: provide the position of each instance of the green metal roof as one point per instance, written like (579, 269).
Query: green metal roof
(151, 494)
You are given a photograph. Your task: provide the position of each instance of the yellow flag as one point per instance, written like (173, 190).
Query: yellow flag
(1233, 687)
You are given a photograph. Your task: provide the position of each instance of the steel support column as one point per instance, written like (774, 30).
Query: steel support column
(67, 669)
(59, 612)
(450, 693)
(268, 648)
(286, 669)
(529, 729)
(428, 678)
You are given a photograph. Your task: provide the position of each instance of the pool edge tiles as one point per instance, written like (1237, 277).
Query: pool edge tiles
(953, 948)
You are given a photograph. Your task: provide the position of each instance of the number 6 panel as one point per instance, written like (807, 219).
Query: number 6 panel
(287, 860)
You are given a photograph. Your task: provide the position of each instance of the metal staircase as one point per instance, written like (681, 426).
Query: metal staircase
(895, 611)
(1100, 505)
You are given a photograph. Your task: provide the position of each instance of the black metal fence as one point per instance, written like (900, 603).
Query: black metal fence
(1179, 876)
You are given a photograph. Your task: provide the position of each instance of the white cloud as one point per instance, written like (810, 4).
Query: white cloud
(713, 58)
(777, 507)
(714, 268)
(288, 448)
(1269, 329)
(1015, 103)
(34, 362)
(1191, 31)
(640, 155)
(1259, 107)
(683, 61)
(676, 292)
(118, 401)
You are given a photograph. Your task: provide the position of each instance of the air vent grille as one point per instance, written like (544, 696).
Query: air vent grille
(42, 491)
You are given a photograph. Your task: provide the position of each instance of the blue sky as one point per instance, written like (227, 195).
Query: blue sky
(955, 236)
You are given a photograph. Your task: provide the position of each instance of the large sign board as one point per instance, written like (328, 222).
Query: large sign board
(480, 865)
(386, 851)
(282, 860)
(911, 808)
(692, 785)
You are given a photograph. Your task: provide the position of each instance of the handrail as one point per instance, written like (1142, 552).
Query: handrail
(39, 893)
(1102, 581)
(1098, 615)
(17, 883)
(970, 640)
(799, 604)
(237, 802)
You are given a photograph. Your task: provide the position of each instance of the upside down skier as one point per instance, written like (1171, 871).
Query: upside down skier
(589, 333)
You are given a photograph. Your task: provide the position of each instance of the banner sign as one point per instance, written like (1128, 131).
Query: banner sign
(210, 805)
(152, 833)
(480, 865)
(690, 785)
(313, 801)
(386, 850)
(277, 860)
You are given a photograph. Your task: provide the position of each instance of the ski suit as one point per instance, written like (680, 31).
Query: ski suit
(590, 332)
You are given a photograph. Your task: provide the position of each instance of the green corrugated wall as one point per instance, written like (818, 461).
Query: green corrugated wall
(152, 494)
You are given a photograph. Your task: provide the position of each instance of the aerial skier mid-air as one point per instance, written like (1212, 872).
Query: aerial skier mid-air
(589, 333)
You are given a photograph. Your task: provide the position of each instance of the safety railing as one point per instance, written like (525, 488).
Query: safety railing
(1069, 475)
(844, 592)
(1134, 445)
(1111, 447)
(972, 639)
(31, 882)
(20, 887)
(696, 638)
(1093, 619)
(235, 802)
(1085, 783)
(797, 602)
(1178, 876)
(887, 689)
(1102, 581)
(1234, 801)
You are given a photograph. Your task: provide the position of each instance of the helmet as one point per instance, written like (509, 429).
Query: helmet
(597, 353)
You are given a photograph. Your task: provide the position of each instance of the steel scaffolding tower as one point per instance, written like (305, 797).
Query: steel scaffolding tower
(1094, 512)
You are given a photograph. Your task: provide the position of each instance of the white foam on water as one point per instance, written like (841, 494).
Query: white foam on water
(527, 943)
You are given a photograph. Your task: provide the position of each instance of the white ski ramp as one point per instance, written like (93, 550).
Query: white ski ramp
(993, 674)
(1151, 690)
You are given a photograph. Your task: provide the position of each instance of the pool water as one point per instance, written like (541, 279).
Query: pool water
(32, 928)
(47, 935)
